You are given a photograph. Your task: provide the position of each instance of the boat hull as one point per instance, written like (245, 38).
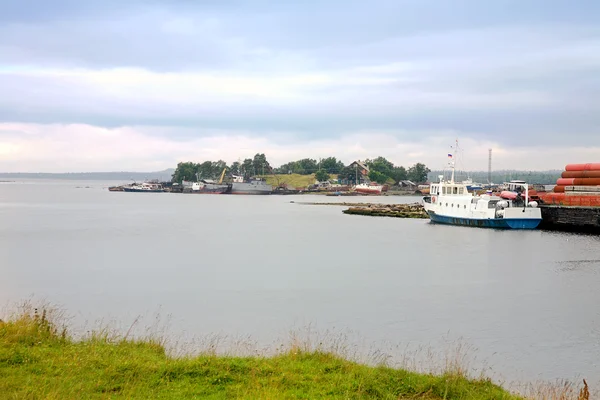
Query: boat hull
(132, 190)
(365, 188)
(368, 191)
(496, 223)
(212, 188)
(250, 188)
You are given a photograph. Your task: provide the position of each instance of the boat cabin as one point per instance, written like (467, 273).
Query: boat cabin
(515, 186)
(448, 189)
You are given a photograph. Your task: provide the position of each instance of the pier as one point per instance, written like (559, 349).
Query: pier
(570, 218)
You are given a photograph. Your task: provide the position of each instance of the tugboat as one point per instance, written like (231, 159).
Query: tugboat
(451, 203)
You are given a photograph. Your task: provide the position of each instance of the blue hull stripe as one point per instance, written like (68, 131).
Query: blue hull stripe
(498, 223)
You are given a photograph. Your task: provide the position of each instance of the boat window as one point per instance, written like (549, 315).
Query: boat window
(455, 190)
(460, 190)
(492, 203)
(465, 206)
(444, 190)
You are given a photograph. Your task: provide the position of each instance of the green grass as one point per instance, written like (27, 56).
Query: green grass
(293, 180)
(39, 361)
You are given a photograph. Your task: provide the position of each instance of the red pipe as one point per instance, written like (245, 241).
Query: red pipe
(563, 199)
(583, 167)
(578, 181)
(580, 174)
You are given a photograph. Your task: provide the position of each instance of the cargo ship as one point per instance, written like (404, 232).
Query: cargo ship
(255, 186)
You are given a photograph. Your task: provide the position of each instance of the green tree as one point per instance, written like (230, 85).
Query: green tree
(185, 171)
(305, 166)
(418, 173)
(331, 165)
(381, 165)
(378, 177)
(247, 168)
(322, 175)
(308, 166)
(205, 170)
(287, 168)
(236, 168)
(399, 174)
(260, 164)
(348, 174)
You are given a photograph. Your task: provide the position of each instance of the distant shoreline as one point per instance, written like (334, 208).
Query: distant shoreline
(164, 175)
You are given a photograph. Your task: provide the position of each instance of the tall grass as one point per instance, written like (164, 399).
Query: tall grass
(40, 359)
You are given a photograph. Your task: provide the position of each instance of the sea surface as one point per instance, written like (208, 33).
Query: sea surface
(526, 302)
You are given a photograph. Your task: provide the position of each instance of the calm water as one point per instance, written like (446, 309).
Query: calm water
(260, 266)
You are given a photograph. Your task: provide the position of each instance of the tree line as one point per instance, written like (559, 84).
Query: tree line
(499, 176)
(381, 170)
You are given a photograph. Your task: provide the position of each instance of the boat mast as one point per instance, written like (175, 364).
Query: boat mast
(453, 161)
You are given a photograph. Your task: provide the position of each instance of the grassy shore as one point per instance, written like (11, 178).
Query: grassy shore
(39, 360)
(293, 180)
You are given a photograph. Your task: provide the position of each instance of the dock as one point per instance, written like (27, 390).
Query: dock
(570, 218)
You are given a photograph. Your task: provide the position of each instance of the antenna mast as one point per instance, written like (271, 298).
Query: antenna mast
(490, 166)
(453, 161)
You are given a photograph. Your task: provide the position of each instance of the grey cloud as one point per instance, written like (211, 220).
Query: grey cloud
(113, 33)
(514, 70)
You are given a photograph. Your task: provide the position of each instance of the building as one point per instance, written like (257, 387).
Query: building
(362, 168)
(362, 171)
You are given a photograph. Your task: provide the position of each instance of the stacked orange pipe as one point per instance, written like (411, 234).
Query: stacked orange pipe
(576, 175)
(583, 167)
(580, 174)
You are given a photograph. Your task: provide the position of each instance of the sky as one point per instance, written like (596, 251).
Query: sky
(117, 85)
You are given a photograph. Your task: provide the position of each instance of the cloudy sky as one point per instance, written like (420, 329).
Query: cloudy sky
(140, 85)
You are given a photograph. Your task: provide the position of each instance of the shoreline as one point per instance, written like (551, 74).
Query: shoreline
(40, 358)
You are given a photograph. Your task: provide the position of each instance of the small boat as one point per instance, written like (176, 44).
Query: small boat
(471, 186)
(145, 187)
(368, 188)
(451, 203)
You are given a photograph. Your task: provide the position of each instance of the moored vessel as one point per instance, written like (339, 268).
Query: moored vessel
(207, 186)
(368, 188)
(451, 203)
(145, 187)
(255, 186)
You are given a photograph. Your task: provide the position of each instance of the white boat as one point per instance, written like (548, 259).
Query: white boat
(368, 188)
(451, 203)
